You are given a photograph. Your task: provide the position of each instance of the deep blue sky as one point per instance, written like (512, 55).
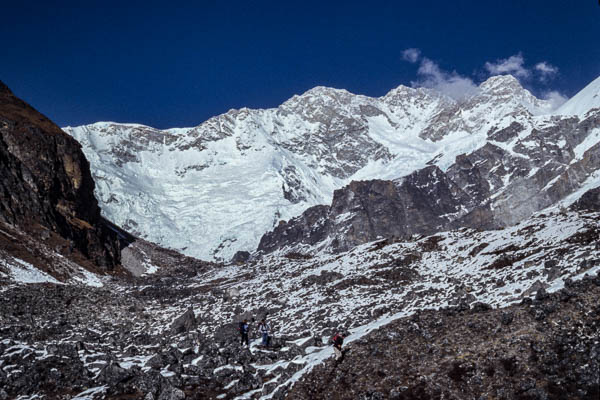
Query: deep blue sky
(166, 64)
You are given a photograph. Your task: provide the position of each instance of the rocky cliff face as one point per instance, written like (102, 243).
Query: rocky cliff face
(45, 184)
(424, 202)
(589, 201)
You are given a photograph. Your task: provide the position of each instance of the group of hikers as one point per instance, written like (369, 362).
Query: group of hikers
(264, 329)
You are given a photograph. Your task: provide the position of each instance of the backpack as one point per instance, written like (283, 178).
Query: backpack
(241, 327)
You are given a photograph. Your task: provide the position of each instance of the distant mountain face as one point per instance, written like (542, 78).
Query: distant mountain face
(215, 189)
(517, 172)
(47, 194)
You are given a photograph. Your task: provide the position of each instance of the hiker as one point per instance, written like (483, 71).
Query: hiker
(244, 327)
(264, 330)
(337, 340)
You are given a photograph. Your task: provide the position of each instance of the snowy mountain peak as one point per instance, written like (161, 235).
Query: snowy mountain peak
(507, 92)
(319, 96)
(501, 82)
(406, 91)
(324, 90)
(587, 99)
(405, 94)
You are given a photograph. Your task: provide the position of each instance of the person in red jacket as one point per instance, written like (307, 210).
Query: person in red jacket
(338, 341)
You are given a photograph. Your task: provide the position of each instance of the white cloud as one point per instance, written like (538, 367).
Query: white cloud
(460, 87)
(555, 98)
(546, 70)
(512, 65)
(411, 55)
(450, 83)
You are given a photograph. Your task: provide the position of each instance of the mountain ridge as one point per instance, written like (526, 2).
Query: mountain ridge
(278, 162)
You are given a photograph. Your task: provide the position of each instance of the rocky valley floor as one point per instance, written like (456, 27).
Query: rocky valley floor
(546, 348)
(508, 314)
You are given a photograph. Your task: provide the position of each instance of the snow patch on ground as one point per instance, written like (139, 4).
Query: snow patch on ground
(88, 278)
(91, 394)
(23, 272)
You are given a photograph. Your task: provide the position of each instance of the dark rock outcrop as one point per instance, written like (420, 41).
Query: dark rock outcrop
(309, 228)
(423, 202)
(589, 201)
(46, 185)
(240, 257)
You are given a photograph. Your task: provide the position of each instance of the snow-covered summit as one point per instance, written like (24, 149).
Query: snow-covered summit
(587, 99)
(507, 90)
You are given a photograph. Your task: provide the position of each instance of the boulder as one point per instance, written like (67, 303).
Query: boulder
(240, 257)
(184, 323)
(112, 374)
(171, 393)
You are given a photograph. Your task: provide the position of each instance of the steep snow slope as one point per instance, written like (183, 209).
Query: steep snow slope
(214, 189)
(587, 99)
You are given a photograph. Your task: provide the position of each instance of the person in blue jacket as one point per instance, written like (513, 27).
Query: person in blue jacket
(244, 327)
